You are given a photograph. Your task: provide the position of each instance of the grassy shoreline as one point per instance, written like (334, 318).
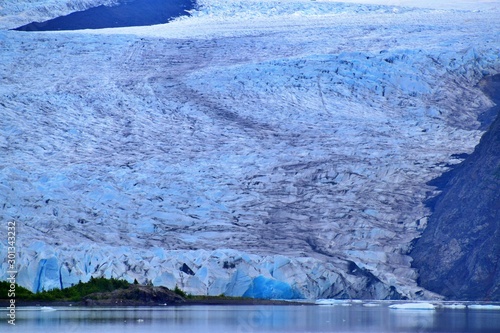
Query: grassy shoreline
(206, 300)
(120, 293)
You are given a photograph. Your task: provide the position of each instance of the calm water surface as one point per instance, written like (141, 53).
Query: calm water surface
(221, 319)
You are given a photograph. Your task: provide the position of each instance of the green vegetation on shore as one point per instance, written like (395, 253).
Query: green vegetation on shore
(75, 293)
(80, 291)
(111, 292)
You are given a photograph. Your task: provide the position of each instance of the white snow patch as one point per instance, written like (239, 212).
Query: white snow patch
(437, 4)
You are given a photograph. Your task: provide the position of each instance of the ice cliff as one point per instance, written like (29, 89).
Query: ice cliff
(262, 149)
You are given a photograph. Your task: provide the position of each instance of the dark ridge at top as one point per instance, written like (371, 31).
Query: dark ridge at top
(126, 14)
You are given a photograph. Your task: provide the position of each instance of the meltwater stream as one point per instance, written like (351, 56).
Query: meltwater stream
(126, 14)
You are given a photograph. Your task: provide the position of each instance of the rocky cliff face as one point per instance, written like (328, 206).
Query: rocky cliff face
(14, 13)
(134, 295)
(124, 14)
(458, 254)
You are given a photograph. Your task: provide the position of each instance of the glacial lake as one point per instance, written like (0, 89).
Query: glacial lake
(347, 317)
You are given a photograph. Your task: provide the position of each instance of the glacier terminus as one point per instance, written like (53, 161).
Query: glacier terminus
(270, 149)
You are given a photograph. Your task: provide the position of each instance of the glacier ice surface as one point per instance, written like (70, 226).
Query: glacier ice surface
(295, 168)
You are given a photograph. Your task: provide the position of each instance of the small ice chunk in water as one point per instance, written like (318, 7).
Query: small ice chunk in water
(456, 306)
(47, 309)
(413, 306)
(484, 307)
(332, 301)
(370, 305)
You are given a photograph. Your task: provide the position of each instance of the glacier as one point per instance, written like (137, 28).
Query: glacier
(259, 148)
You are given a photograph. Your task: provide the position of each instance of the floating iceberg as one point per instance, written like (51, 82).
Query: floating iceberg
(47, 309)
(413, 306)
(456, 306)
(484, 307)
(371, 305)
(332, 302)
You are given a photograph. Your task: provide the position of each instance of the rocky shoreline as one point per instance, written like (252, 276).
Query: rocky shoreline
(137, 295)
(205, 301)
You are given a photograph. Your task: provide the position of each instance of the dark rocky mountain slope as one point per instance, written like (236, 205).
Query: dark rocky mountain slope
(135, 295)
(458, 254)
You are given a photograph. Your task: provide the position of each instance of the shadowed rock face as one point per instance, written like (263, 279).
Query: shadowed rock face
(135, 295)
(125, 14)
(458, 254)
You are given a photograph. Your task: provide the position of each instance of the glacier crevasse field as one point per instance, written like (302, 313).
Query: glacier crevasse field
(276, 149)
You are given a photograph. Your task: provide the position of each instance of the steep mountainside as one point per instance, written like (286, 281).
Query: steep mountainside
(463, 233)
(124, 14)
(14, 13)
